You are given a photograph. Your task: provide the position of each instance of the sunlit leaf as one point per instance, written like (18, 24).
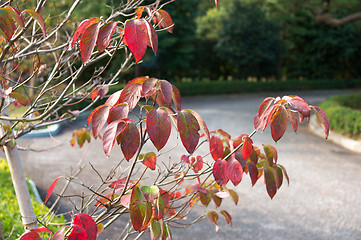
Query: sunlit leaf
(15, 14)
(82, 26)
(148, 87)
(198, 164)
(150, 160)
(188, 128)
(299, 104)
(139, 12)
(51, 188)
(7, 24)
(177, 98)
(150, 193)
(98, 117)
(136, 37)
(152, 37)
(38, 18)
(59, 235)
(247, 147)
(31, 236)
(132, 92)
(155, 229)
(118, 112)
(100, 90)
(88, 41)
(158, 127)
(216, 147)
(105, 34)
(87, 223)
(77, 233)
(201, 123)
(110, 134)
(293, 119)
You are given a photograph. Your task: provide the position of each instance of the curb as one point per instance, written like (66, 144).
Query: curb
(336, 138)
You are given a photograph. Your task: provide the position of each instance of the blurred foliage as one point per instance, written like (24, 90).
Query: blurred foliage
(344, 113)
(10, 218)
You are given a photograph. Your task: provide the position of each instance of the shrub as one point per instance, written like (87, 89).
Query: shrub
(344, 113)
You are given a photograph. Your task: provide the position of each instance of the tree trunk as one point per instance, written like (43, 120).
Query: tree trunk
(21, 189)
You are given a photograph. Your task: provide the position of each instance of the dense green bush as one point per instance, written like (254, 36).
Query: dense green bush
(344, 113)
(9, 211)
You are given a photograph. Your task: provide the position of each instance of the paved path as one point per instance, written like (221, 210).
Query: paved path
(322, 202)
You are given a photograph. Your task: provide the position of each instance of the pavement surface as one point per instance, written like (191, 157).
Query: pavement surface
(322, 201)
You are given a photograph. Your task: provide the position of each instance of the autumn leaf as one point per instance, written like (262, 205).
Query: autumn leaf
(213, 217)
(87, 223)
(51, 188)
(158, 127)
(105, 34)
(323, 120)
(220, 172)
(279, 123)
(188, 128)
(82, 27)
(88, 41)
(150, 160)
(164, 20)
(129, 140)
(38, 18)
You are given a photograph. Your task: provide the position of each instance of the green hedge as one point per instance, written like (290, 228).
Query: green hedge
(9, 210)
(228, 87)
(344, 114)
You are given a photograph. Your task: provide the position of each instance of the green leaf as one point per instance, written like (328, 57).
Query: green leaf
(155, 229)
(188, 128)
(150, 193)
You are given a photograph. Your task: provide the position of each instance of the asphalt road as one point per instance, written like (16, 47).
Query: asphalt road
(322, 201)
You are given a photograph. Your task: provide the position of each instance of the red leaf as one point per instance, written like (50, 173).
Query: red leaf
(113, 99)
(148, 87)
(7, 24)
(176, 98)
(188, 128)
(105, 34)
(31, 236)
(198, 164)
(129, 140)
(82, 26)
(198, 188)
(165, 20)
(293, 119)
(234, 171)
(41, 230)
(226, 216)
(150, 160)
(164, 95)
(220, 172)
(110, 134)
(279, 123)
(216, 2)
(100, 90)
(15, 14)
(201, 123)
(270, 181)
(299, 104)
(213, 217)
(98, 117)
(216, 147)
(136, 37)
(38, 18)
(118, 112)
(132, 92)
(323, 120)
(253, 172)
(158, 127)
(51, 188)
(152, 37)
(87, 223)
(88, 40)
(59, 235)
(78, 233)
(247, 147)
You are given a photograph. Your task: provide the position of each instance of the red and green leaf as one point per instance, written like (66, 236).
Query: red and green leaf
(38, 18)
(270, 181)
(150, 160)
(271, 154)
(155, 229)
(188, 128)
(7, 24)
(227, 217)
(159, 127)
(15, 14)
(176, 98)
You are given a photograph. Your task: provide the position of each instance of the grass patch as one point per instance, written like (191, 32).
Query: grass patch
(9, 210)
(344, 114)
